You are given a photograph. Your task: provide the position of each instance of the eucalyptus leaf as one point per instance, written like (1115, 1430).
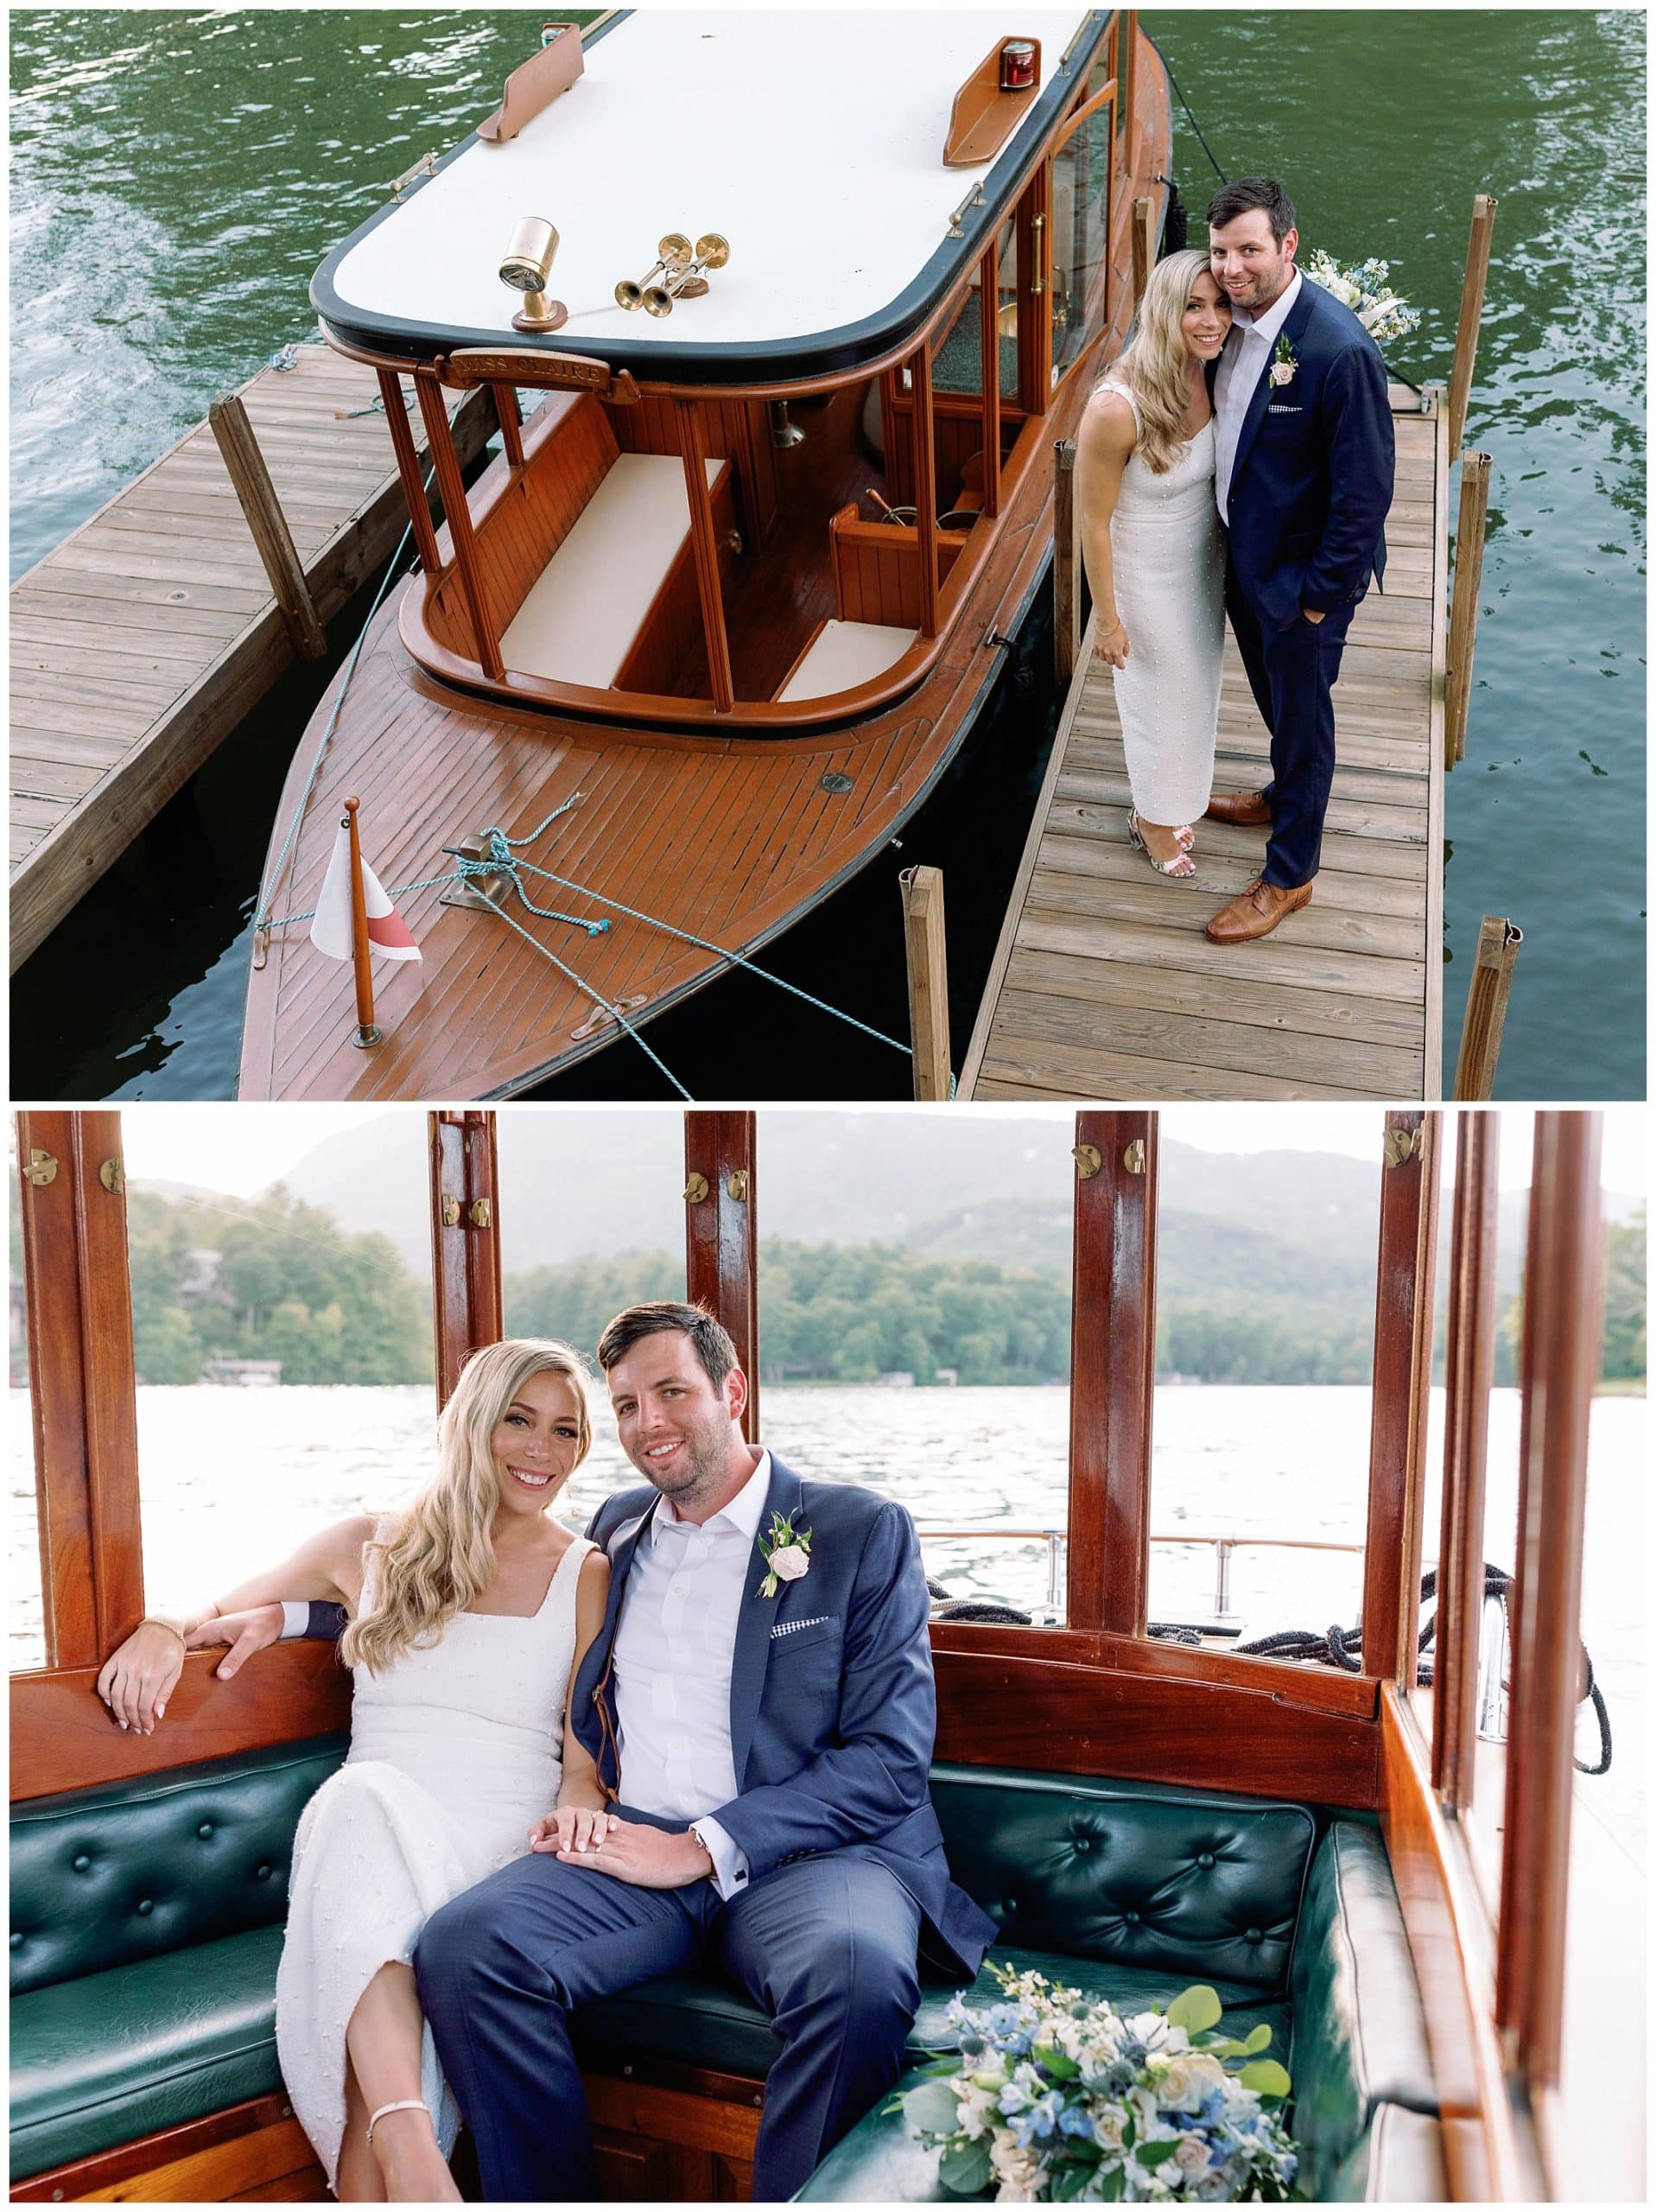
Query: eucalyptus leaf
(1265, 2076)
(1196, 2008)
(933, 2109)
(965, 2168)
(1258, 2037)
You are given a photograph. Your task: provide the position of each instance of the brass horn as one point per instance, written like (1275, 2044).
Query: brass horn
(689, 282)
(672, 253)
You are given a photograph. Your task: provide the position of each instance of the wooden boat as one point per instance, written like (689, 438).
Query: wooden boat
(722, 654)
(1306, 1839)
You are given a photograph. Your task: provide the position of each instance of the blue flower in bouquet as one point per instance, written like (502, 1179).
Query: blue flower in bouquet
(1038, 2121)
(1075, 2120)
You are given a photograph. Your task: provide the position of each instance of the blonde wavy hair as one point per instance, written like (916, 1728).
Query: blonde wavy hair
(439, 1556)
(1155, 362)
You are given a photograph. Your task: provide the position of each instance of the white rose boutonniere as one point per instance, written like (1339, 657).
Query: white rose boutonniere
(785, 1554)
(1284, 366)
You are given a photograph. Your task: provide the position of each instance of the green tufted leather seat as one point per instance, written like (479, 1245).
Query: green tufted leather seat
(146, 1922)
(146, 1926)
(1354, 2033)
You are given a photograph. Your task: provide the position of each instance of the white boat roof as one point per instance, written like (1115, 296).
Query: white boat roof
(812, 139)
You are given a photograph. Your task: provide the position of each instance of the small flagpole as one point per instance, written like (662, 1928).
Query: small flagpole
(367, 1033)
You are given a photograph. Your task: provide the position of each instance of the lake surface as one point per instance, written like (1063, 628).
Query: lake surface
(233, 1480)
(177, 177)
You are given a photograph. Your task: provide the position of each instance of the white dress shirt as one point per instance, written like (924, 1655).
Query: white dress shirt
(1244, 361)
(673, 1645)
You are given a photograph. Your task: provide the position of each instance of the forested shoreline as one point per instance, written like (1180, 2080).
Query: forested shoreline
(275, 1279)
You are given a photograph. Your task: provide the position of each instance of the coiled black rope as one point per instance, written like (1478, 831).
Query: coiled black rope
(1342, 1648)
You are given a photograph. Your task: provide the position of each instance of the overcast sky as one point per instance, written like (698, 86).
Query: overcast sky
(242, 1148)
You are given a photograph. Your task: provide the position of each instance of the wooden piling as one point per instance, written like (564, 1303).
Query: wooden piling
(922, 932)
(1066, 564)
(1466, 336)
(1463, 601)
(1141, 251)
(1486, 1008)
(361, 957)
(227, 419)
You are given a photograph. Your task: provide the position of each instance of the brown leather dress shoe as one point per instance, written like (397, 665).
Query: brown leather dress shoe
(1248, 809)
(1256, 911)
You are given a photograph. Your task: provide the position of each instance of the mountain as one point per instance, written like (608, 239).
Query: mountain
(992, 1186)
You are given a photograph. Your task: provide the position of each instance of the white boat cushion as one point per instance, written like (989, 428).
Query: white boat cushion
(845, 654)
(585, 608)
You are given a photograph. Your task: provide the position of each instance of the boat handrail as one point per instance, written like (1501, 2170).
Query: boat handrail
(1224, 1545)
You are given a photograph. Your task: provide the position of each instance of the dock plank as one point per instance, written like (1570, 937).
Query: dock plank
(139, 642)
(1104, 984)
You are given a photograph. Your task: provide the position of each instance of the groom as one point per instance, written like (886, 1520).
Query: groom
(760, 1701)
(1303, 478)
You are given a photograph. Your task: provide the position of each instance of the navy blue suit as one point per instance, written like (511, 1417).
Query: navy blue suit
(1309, 496)
(832, 1711)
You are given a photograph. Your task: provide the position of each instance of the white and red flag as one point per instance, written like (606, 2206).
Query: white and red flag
(330, 932)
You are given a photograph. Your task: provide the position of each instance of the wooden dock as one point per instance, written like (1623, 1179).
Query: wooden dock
(140, 642)
(1103, 984)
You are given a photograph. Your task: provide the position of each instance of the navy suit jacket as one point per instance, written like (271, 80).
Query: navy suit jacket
(1312, 482)
(833, 1703)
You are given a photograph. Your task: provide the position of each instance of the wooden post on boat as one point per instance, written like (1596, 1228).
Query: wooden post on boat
(923, 932)
(1466, 337)
(1463, 601)
(1066, 564)
(1486, 1008)
(360, 955)
(705, 545)
(240, 449)
(1141, 254)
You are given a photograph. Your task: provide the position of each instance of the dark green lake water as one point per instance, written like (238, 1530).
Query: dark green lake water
(177, 177)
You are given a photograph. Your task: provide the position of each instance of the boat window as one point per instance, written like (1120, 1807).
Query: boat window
(1265, 1337)
(280, 1266)
(591, 1220)
(25, 1633)
(914, 1330)
(1081, 175)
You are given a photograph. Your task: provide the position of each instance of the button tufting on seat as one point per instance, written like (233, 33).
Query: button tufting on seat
(16, 1938)
(1083, 1843)
(1204, 1858)
(1256, 1936)
(205, 1830)
(1130, 1918)
(264, 1873)
(146, 1904)
(81, 1862)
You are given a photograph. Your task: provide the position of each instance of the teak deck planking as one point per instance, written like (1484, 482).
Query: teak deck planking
(1104, 986)
(139, 642)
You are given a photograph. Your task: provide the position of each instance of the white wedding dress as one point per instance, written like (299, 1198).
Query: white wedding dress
(456, 1751)
(1168, 553)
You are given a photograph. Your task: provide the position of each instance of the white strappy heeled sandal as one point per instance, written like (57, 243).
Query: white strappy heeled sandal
(1182, 867)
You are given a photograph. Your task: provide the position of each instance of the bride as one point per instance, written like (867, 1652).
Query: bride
(472, 1608)
(1155, 552)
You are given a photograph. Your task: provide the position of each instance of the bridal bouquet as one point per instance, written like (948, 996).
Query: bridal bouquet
(1365, 290)
(1058, 2100)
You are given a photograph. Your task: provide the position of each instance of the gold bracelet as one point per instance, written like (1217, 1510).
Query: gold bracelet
(154, 1620)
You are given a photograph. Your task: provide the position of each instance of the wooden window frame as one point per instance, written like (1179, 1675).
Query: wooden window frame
(721, 1234)
(467, 1309)
(1468, 1371)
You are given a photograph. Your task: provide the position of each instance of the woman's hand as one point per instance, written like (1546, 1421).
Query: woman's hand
(137, 1680)
(572, 1827)
(252, 1629)
(1111, 643)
